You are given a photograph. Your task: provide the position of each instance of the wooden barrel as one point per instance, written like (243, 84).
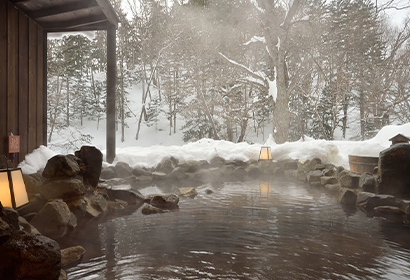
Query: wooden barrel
(362, 164)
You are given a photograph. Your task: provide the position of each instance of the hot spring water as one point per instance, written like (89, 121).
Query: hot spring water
(250, 230)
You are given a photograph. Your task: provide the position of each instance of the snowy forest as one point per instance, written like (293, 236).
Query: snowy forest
(216, 69)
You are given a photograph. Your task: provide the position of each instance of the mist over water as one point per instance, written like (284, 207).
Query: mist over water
(251, 230)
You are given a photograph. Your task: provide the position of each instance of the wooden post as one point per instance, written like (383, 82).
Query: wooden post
(111, 78)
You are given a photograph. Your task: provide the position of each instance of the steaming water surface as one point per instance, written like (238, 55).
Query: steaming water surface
(249, 230)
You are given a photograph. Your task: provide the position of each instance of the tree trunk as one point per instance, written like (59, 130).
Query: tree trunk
(281, 113)
(68, 105)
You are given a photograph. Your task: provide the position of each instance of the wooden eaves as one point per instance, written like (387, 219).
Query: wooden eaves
(76, 16)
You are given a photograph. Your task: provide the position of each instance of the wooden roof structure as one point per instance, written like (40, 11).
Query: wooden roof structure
(24, 26)
(69, 15)
(399, 138)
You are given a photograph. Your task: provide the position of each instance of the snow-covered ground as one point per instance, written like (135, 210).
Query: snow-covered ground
(155, 143)
(335, 152)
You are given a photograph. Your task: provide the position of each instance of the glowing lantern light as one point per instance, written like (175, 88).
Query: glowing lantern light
(12, 188)
(265, 188)
(265, 153)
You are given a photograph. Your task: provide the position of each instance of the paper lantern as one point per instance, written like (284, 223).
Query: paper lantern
(265, 153)
(12, 188)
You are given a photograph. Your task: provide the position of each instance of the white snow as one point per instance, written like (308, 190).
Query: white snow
(255, 39)
(335, 152)
(273, 90)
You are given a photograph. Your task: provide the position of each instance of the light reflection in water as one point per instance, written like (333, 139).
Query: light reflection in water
(243, 231)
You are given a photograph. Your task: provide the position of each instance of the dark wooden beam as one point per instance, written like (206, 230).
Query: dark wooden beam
(72, 24)
(3, 77)
(111, 78)
(62, 9)
(109, 12)
(96, 26)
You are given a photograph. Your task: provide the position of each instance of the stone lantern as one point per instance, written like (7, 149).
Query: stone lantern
(399, 138)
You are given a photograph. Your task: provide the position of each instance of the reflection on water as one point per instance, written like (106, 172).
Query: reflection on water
(251, 230)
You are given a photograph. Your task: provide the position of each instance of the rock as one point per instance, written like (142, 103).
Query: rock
(267, 167)
(129, 196)
(289, 164)
(339, 171)
(63, 275)
(89, 211)
(5, 231)
(239, 174)
(217, 162)
(30, 256)
(10, 216)
(348, 197)
(72, 224)
(136, 182)
(215, 174)
(27, 227)
(92, 159)
(159, 176)
(66, 189)
(177, 174)
(314, 176)
(149, 209)
(116, 182)
(326, 180)
(253, 171)
(122, 169)
(391, 213)
(167, 165)
(208, 191)
(202, 175)
(53, 219)
(71, 256)
(226, 172)
(187, 192)
(32, 185)
(292, 173)
(191, 166)
(334, 188)
(313, 164)
(367, 182)
(108, 173)
(349, 179)
(167, 201)
(329, 172)
(62, 166)
(98, 202)
(368, 201)
(394, 166)
(138, 171)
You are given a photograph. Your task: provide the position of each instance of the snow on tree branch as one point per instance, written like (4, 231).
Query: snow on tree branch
(258, 78)
(255, 39)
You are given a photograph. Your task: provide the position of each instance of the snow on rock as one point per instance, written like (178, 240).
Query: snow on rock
(37, 160)
(335, 152)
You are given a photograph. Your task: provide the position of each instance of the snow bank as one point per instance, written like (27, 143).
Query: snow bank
(335, 152)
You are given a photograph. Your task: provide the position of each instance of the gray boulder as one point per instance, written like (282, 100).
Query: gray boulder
(349, 179)
(30, 256)
(63, 166)
(367, 182)
(66, 189)
(92, 159)
(368, 201)
(53, 219)
(122, 169)
(149, 210)
(165, 201)
(348, 197)
(394, 166)
(108, 173)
